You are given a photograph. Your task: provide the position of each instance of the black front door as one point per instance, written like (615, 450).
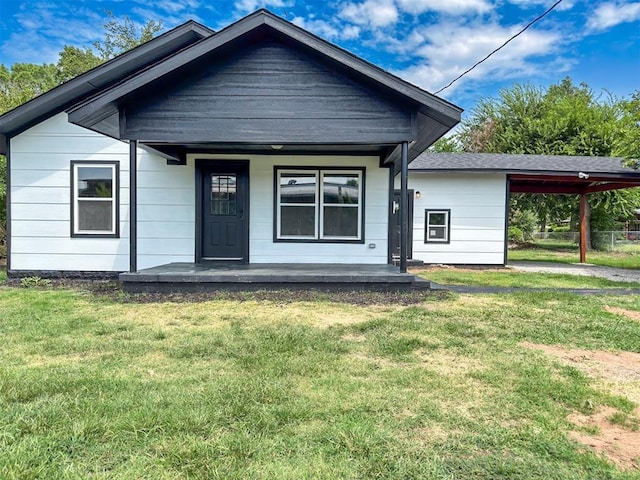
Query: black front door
(395, 225)
(225, 212)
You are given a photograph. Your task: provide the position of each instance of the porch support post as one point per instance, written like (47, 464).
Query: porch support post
(404, 206)
(390, 218)
(133, 205)
(583, 227)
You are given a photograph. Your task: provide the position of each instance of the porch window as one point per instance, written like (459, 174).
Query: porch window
(94, 204)
(319, 205)
(437, 226)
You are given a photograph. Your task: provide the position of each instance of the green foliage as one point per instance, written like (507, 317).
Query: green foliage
(23, 81)
(564, 119)
(123, 35)
(35, 282)
(446, 145)
(515, 234)
(74, 61)
(522, 225)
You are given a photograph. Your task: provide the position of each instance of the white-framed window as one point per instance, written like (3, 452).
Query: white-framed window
(437, 226)
(324, 205)
(94, 199)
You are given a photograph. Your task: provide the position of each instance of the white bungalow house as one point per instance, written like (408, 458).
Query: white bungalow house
(201, 152)
(257, 144)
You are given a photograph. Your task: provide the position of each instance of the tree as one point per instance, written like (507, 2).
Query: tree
(563, 119)
(122, 35)
(23, 81)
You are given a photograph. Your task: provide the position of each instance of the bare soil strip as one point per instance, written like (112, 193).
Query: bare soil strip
(620, 444)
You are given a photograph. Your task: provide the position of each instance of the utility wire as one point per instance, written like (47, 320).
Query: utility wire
(540, 17)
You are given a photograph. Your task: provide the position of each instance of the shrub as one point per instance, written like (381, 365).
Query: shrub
(515, 235)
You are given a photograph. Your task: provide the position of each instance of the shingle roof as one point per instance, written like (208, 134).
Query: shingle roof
(520, 163)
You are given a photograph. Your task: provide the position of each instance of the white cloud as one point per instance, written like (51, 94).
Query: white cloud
(453, 7)
(565, 5)
(451, 48)
(610, 14)
(252, 5)
(374, 13)
(327, 30)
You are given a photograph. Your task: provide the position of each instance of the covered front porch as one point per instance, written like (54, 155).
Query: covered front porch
(189, 277)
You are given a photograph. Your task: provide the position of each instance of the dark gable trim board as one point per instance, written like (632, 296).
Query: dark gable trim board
(116, 199)
(312, 241)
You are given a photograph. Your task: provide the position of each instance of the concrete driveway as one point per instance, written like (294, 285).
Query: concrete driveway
(610, 273)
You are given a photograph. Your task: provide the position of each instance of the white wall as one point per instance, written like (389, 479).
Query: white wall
(41, 210)
(477, 204)
(262, 248)
(41, 196)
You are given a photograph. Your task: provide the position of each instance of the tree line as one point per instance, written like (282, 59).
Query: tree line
(21, 82)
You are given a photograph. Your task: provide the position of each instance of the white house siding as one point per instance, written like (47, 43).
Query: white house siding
(263, 249)
(41, 210)
(477, 204)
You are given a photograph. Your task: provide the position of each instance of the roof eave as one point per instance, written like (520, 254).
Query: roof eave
(54, 101)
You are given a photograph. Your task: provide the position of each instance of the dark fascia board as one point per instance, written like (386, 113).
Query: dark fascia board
(57, 99)
(540, 173)
(89, 112)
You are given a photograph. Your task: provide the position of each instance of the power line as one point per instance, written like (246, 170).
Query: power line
(540, 17)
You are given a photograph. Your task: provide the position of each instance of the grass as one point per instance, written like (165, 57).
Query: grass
(628, 256)
(94, 388)
(509, 278)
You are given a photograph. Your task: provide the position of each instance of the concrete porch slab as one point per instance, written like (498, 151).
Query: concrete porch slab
(195, 276)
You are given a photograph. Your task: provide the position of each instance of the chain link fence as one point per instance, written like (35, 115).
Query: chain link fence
(618, 241)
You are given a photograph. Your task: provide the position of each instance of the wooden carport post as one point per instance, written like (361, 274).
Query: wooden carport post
(583, 227)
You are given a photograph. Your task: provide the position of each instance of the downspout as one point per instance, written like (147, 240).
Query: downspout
(404, 206)
(133, 206)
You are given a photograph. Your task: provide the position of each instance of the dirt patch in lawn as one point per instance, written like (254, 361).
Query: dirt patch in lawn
(618, 443)
(632, 314)
(617, 366)
(607, 431)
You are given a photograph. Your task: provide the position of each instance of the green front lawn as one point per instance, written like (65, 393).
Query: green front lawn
(628, 256)
(510, 278)
(94, 388)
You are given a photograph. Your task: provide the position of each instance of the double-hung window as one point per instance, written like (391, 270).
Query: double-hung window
(437, 226)
(94, 199)
(321, 205)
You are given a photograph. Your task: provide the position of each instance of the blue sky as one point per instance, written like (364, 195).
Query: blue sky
(427, 42)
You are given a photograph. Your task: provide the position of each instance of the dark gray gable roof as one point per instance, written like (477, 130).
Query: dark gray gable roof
(58, 99)
(520, 164)
(436, 116)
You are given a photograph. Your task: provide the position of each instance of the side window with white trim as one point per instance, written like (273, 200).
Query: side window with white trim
(437, 226)
(94, 199)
